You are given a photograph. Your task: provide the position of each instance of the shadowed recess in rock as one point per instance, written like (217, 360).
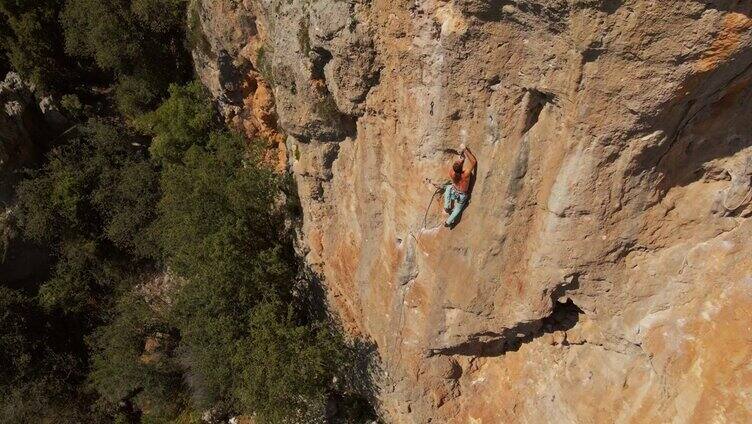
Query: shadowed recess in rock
(537, 100)
(486, 10)
(319, 58)
(697, 139)
(563, 318)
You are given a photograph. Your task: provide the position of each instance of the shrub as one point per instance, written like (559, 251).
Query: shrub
(123, 369)
(78, 274)
(140, 41)
(285, 369)
(93, 202)
(183, 120)
(134, 95)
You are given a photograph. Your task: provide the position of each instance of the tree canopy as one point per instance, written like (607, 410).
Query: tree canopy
(172, 287)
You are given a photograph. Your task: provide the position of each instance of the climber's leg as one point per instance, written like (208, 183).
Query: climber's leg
(459, 205)
(448, 197)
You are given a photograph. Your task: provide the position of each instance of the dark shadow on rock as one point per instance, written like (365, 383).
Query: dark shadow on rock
(537, 101)
(564, 316)
(485, 10)
(702, 129)
(743, 7)
(229, 77)
(610, 6)
(356, 400)
(354, 396)
(24, 265)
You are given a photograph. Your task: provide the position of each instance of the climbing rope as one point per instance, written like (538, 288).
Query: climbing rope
(439, 189)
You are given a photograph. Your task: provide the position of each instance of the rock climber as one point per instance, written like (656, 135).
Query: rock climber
(456, 192)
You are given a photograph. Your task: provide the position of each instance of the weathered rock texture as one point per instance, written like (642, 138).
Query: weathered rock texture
(601, 272)
(227, 49)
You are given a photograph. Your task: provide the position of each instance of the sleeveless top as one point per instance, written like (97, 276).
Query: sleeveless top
(460, 182)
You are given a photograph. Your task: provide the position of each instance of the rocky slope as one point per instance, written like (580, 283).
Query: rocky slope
(601, 272)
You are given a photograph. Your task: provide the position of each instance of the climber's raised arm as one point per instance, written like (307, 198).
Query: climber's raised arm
(473, 161)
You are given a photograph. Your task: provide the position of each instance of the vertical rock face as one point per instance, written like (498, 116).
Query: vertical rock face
(601, 272)
(23, 130)
(27, 130)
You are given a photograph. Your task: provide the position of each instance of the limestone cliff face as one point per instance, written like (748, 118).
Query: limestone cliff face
(601, 272)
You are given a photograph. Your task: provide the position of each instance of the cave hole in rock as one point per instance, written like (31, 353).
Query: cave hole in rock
(537, 100)
(250, 23)
(319, 58)
(564, 316)
(611, 6)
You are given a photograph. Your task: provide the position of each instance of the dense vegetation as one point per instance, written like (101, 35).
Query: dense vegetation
(172, 288)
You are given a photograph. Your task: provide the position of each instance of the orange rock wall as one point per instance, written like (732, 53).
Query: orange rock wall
(601, 270)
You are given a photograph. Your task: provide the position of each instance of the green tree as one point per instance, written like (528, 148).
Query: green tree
(221, 225)
(93, 201)
(16, 348)
(141, 41)
(5, 32)
(285, 368)
(219, 229)
(100, 185)
(33, 40)
(40, 365)
(132, 359)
